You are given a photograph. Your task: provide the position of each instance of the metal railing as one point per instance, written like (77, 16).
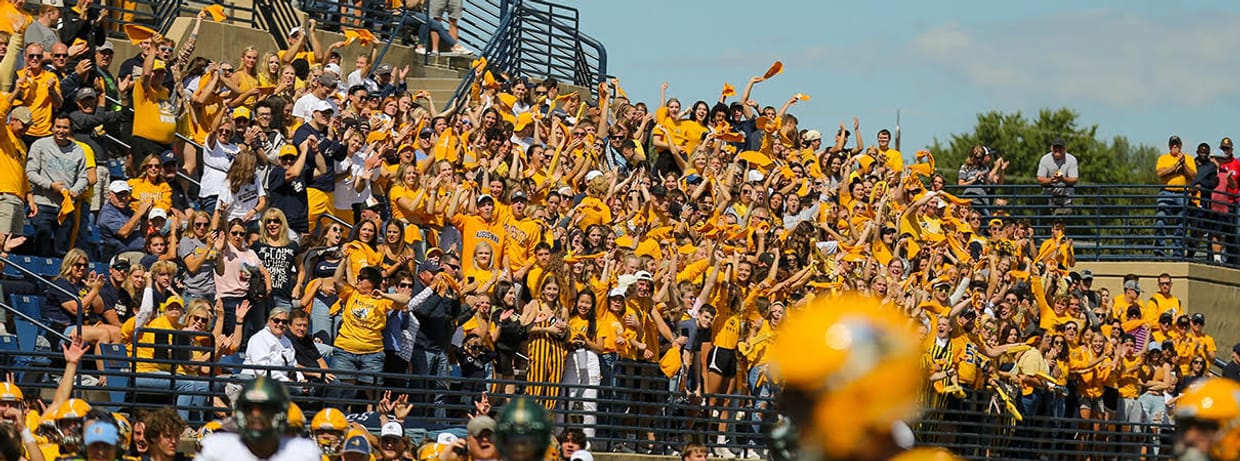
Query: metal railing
(535, 38)
(639, 405)
(1122, 222)
(973, 429)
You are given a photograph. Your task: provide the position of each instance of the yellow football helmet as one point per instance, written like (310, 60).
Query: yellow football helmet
(1217, 401)
(63, 424)
(431, 451)
(124, 429)
(328, 427)
(207, 429)
(851, 370)
(296, 420)
(9, 392)
(927, 454)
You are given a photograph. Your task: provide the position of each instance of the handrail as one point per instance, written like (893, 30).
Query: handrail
(333, 217)
(81, 316)
(36, 322)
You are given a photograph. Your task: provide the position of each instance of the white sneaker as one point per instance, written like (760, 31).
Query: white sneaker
(725, 453)
(420, 50)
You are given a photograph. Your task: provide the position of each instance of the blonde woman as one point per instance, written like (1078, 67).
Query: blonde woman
(269, 70)
(61, 309)
(280, 256)
(243, 195)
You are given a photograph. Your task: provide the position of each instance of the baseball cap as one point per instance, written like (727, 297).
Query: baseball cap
(167, 157)
(1058, 142)
(22, 114)
(518, 195)
(289, 150)
(357, 444)
(328, 79)
(1199, 318)
(106, 46)
(101, 432)
(1166, 317)
(565, 191)
(392, 429)
(1132, 285)
(617, 292)
(581, 455)
(643, 275)
(429, 266)
(1236, 348)
(322, 106)
(812, 135)
(480, 424)
(119, 186)
(120, 264)
(85, 93)
(485, 197)
(294, 31)
(157, 213)
(1226, 142)
(1155, 346)
(241, 112)
(383, 69)
(434, 251)
(333, 68)
(1175, 141)
(1087, 274)
(593, 174)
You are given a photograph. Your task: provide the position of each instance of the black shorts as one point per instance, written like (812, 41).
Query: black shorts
(1110, 399)
(722, 361)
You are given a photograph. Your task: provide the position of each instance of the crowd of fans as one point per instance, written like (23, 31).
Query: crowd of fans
(329, 219)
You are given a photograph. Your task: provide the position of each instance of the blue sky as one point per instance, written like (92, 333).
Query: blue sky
(1141, 69)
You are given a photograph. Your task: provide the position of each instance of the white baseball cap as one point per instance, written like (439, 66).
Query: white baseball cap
(392, 429)
(157, 213)
(593, 174)
(581, 455)
(119, 186)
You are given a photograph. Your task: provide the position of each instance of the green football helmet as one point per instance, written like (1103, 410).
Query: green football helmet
(268, 401)
(523, 431)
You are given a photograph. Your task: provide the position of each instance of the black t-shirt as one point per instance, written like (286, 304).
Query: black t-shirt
(54, 310)
(279, 261)
(289, 197)
(306, 353)
(118, 300)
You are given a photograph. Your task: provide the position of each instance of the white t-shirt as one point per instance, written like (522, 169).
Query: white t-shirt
(223, 446)
(244, 200)
(216, 161)
(355, 78)
(345, 195)
(302, 107)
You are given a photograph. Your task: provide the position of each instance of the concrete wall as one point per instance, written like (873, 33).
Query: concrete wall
(1213, 291)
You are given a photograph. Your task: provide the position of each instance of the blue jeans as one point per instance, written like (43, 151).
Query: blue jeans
(347, 364)
(608, 382)
(322, 323)
(1169, 221)
(208, 204)
(758, 413)
(196, 397)
(51, 239)
(433, 363)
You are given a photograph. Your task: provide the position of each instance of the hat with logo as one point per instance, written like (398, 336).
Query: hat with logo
(85, 93)
(119, 186)
(357, 444)
(157, 213)
(167, 157)
(480, 424)
(392, 429)
(1132, 285)
(22, 114)
(1225, 143)
(101, 432)
(383, 69)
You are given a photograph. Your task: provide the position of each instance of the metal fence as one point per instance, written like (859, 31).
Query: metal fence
(977, 427)
(1123, 222)
(640, 411)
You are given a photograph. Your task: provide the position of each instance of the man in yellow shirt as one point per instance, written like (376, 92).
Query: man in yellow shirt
(364, 315)
(894, 159)
(521, 235)
(39, 90)
(1175, 170)
(1163, 301)
(14, 189)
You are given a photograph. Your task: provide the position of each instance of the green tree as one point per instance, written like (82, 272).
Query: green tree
(1023, 142)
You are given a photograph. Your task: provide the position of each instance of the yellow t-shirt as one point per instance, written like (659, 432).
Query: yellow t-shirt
(158, 194)
(38, 98)
(520, 238)
(594, 211)
(147, 352)
(895, 160)
(12, 156)
(154, 117)
(362, 321)
(1184, 177)
(398, 192)
(1129, 381)
(730, 334)
(474, 229)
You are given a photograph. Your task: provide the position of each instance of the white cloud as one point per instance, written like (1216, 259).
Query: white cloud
(1117, 58)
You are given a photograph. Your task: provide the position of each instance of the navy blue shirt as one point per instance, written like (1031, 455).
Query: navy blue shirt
(111, 220)
(290, 197)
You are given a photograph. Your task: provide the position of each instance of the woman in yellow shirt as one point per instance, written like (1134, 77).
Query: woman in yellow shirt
(151, 187)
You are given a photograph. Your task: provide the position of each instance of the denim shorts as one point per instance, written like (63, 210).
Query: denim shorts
(346, 363)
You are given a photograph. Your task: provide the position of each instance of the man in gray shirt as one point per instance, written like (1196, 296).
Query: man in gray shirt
(1057, 173)
(42, 29)
(56, 165)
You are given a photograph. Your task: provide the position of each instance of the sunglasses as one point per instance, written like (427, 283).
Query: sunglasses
(198, 318)
(201, 224)
(34, 56)
(165, 49)
(404, 285)
(150, 166)
(60, 55)
(280, 321)
(237, 233)
(273, 221)
(79, 265)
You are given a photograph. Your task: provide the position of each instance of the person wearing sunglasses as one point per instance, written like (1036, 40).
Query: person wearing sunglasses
(236, 268)
(151, 373)
(272, 347)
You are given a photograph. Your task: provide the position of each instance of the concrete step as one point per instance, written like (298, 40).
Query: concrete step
(434, 84)
(434, 71)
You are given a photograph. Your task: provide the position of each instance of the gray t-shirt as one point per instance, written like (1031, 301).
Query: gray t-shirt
(1047, 167)
(199, 284)
(36, 32)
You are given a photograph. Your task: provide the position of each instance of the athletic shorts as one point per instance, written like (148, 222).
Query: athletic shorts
(722, 361)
